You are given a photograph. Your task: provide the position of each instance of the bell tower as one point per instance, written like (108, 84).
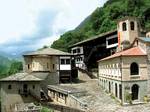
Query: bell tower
(128, 29)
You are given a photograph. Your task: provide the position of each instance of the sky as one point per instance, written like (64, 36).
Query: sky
(26, 25)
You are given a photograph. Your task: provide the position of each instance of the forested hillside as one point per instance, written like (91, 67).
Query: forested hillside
(9, 67)
(103, 19)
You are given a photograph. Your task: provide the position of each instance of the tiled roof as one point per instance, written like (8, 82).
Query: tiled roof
(48, 51)
(135, 51)
(26, 77)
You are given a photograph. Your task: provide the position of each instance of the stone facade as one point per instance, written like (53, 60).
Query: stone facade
(129, 29)
(15, 94)
(41, 68)
(67, 96)
(126, 74)
(40, 63)
(115, 76)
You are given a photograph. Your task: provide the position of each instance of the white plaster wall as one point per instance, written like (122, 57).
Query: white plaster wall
(65, 67)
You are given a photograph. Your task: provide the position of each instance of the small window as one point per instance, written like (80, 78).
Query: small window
(124, 26)
(74, 51)
(47, 65)
(67, 61)
(9, 87)
(132, 25)
(28, 66)
(112, 41)
(33, 86)
(62, 61)
(53, 66)
(78, 50)
(134, 69)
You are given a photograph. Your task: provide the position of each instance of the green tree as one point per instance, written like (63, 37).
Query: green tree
(104, 19)
(15, 67)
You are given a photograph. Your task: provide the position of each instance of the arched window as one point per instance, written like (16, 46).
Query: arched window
(134, 69)
(132, 25)
(124, 26)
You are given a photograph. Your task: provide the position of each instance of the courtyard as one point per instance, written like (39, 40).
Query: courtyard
(100, 101)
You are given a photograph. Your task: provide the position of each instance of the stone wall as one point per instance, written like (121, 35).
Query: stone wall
(142, 64)
(67, 99)
(109, 81)
(10, 97)
(49, 63)
(129, 34)
(148, 66)
(127, 89)
(109, 86)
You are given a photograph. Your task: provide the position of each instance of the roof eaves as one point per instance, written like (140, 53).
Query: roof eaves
(93, 38)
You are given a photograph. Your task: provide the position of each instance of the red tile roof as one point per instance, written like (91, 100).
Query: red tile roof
(135, 51)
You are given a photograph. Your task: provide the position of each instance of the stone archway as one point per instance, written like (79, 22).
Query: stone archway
(135, 92)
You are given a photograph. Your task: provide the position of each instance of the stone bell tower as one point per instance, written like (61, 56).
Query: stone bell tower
(128, 29)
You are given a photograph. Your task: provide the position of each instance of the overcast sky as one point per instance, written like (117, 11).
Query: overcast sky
(27, 25)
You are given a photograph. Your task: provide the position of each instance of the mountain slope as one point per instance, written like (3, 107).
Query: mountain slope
(4, 65)
(104, 19)
(9, 67)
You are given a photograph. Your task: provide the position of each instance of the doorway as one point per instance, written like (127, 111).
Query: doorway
(135, 92)
(109, 87)
(25, 88)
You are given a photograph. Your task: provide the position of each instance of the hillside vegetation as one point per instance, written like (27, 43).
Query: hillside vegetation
(9, 67)
(103, 19)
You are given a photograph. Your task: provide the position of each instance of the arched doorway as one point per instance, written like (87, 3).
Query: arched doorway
(135, 92)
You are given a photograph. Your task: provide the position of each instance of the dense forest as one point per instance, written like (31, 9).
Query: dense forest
(9, 67)
(104, 19)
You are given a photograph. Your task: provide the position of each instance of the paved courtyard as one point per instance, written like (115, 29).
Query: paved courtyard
(100, 101)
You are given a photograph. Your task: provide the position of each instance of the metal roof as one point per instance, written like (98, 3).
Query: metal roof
(95, 37)
(145, 39)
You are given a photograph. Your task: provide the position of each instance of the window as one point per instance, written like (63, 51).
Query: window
(62, 61)
(78, 50)
(132, 25)
(67, 61)
(9, 87)
(33, 86)
(28, 66)
(134, 69)
(112, 41)
(124, 26)
(74, 51)
(53, 66)
(47, 65)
